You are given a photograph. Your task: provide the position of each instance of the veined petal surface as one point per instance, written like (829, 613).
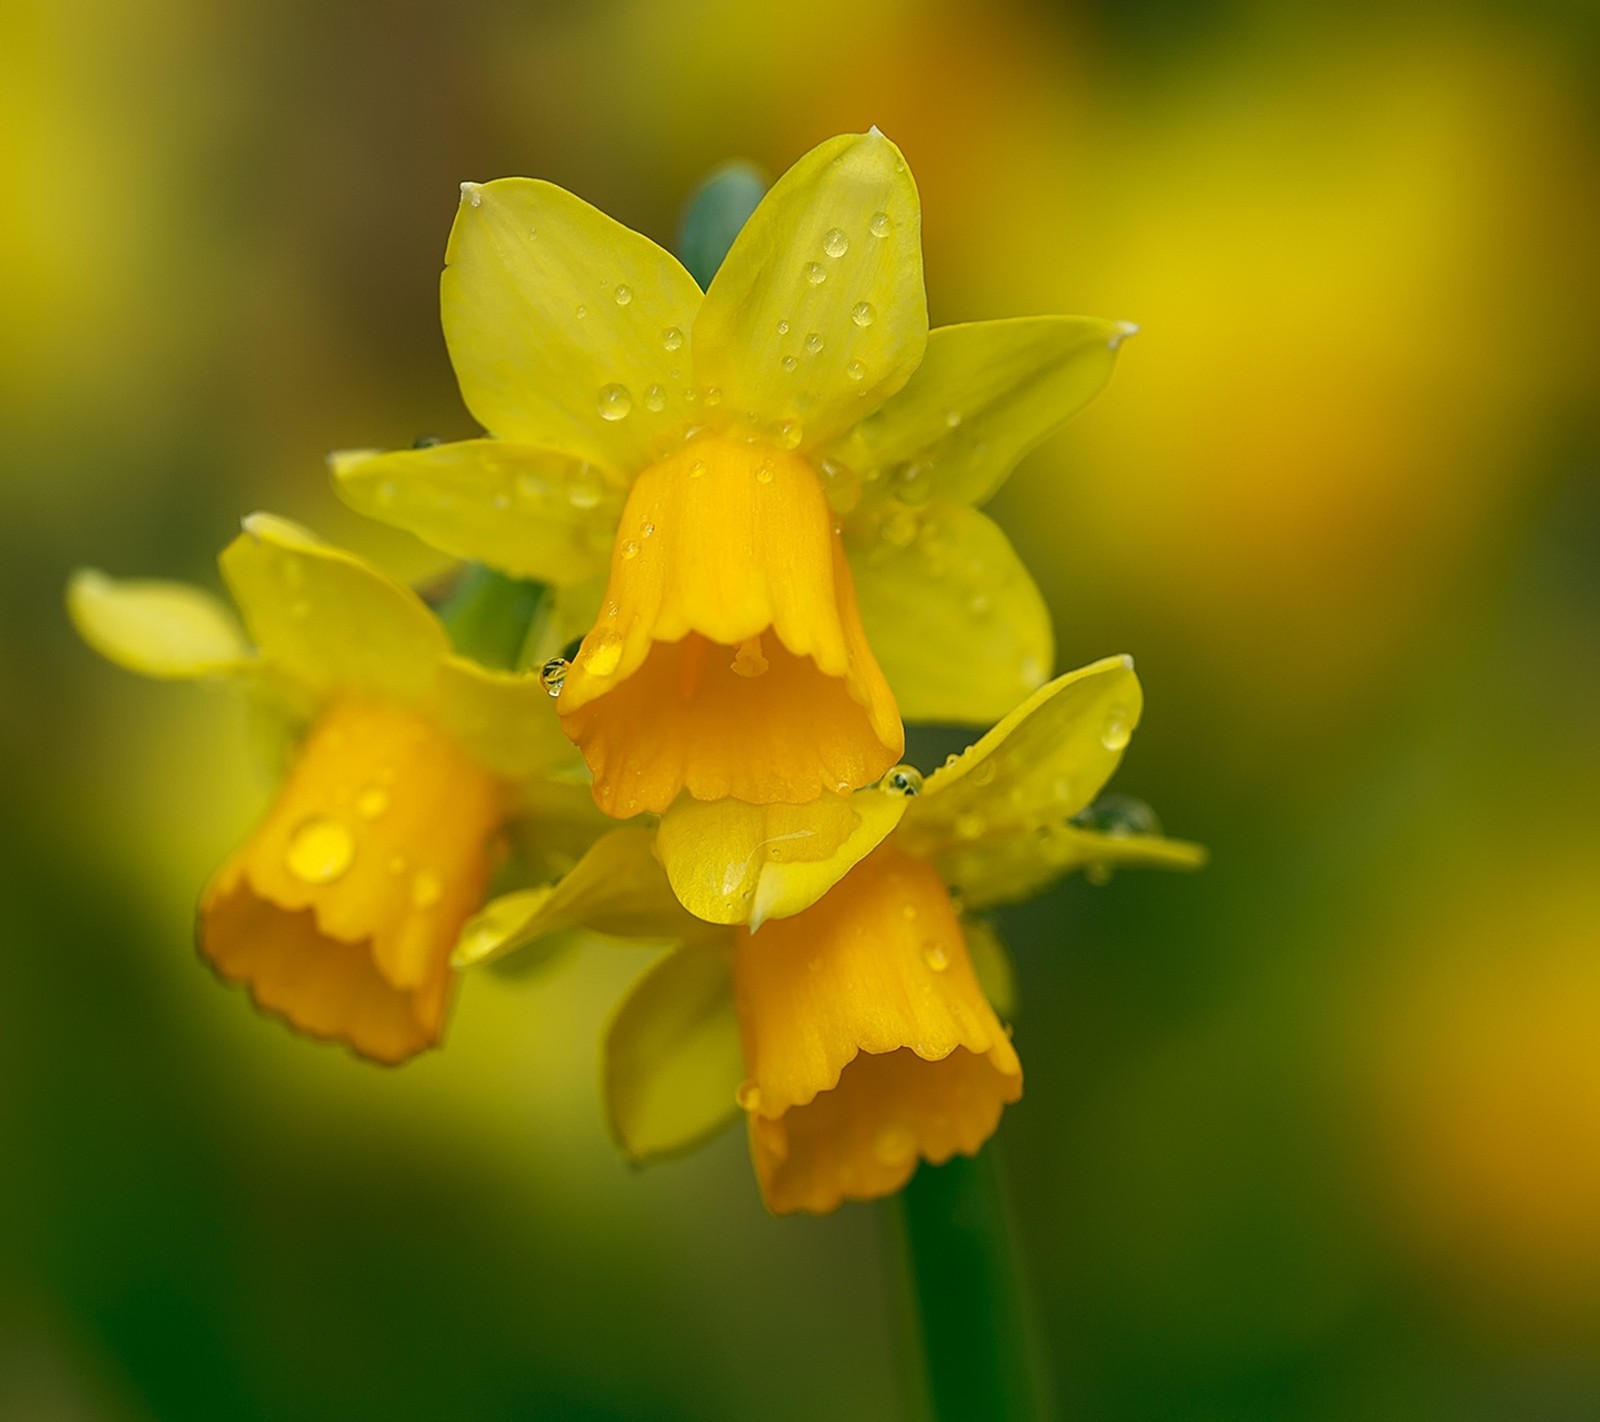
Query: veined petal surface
(529, 512)
(943, 576)
(818, 313)
(327, 620)
(731, 862)
(168, 630)
(567, 330)
(985, 394)
(673, 1060)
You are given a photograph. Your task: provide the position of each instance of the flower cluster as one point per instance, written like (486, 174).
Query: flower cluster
(756, 505)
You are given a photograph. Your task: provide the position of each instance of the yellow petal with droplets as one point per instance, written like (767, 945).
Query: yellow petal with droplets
(818, 313)
(169, 630)
(532, 513)
(673, 1061)
(984, 395)
(567, 330)
(326, 620)
(506, 721)
(731, 862)
(958, 625)
(618, 888)
(1009, 869)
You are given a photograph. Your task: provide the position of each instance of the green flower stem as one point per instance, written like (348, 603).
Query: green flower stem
(956, 1239)
(491, 617)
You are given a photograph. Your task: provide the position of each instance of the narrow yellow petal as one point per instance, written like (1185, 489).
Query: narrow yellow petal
(327, 620)
(168, 630)
(818, 314)
(532, 513)
(731, 862)
(1007, 869)
(618, 888)
(984, 395)
(994, 820)
(868, 1042)
(672, 1057)
(340, 910)
(567, 330)
(955, 619)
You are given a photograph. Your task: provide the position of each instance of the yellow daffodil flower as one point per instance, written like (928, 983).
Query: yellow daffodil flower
(768, 487)
(341, 910)
(860, 1034)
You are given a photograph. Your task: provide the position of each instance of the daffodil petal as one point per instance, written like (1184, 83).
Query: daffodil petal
(673, 1060)
(499, 927)
(327, 621)
(991, 962)
(1040, 766)
(984, 395)
(617, 888)
(168, 630)
(943, 576)
(567, 330)
(505, 721)
(1009, 869)
(818, 313)
(529, 512)
(732, 862)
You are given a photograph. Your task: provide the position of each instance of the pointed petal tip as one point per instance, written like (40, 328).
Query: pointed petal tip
(1125, 329)
(472, 193)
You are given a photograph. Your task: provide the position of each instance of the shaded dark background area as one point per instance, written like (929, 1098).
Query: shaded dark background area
(1313, 1135)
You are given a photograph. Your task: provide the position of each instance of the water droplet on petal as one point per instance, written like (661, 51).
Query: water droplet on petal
(1118, 816)
(952, 418)
(372, 802)
(902, 780)
(840, 486)
(615, 402)
(984, 772)
(879, 226)
(790, 433)
(763, 473)
(713, 395)
(582, 312)
(788, 362)
(426, 889)
(1114, 735)
(863, 313)
(835, 243)
(697, 469)
(969, 825)
(814, 343)
(748, 1096)
(320, 851)
(899, 529)
(935, 955)
(783, 328)
(856, 370)
(648, 531)
(583, 487)
(655, 399)
(894, 1145)
(630, 549)
(553, 675)
(913, 482)
(624, 295)
(816, 274)
(672, 338)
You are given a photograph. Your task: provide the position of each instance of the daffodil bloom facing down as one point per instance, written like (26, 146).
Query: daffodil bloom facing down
(769, 487)
(860, 1034)
(341, 909)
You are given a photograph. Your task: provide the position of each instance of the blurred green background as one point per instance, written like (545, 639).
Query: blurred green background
(1312, 1135)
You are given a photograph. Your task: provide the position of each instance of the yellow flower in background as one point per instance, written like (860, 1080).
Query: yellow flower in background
(341, 910)
(860, 1033)
(766, 489)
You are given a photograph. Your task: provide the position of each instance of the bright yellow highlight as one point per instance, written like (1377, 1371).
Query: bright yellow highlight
(868, 1044)
(729, 658)
(341, 910)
